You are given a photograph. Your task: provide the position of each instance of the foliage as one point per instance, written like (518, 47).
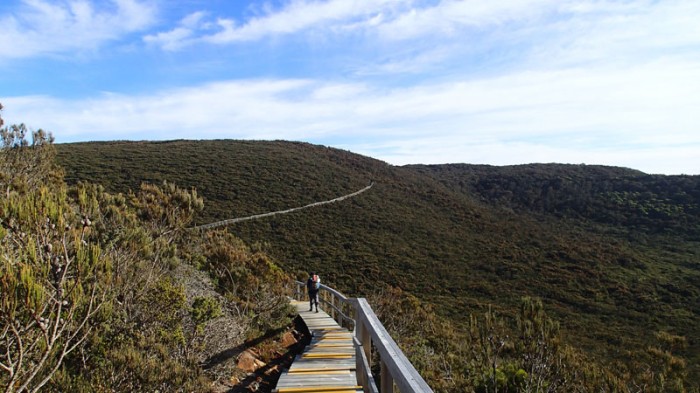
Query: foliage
(24, 166)
(54, 283)
(53, 280)
(90, 294)
(249, 279)
(457, 237)
(498, 354)
(204, 309)
(615, 196)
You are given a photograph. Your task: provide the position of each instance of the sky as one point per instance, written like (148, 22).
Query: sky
(498, 82)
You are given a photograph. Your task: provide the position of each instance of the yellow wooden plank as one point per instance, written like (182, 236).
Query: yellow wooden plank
(317, 389)
(326, 356)
(323, 338)
(329, 328)
(306, 390)
(332, 372)
(334, 340)
(333, 351)
(325, 353)
(331, 333)
(318, 369)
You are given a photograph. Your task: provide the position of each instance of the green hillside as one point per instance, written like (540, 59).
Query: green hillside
(613, 253)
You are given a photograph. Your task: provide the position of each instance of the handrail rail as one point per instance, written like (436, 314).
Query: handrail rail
(396, 369)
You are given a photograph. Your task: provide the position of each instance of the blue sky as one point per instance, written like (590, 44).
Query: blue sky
(406, 81)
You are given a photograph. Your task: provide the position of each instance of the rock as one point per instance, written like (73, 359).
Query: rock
(288, 340)
(247, 362)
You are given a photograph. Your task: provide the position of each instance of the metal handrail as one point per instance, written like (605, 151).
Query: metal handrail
(396, 369)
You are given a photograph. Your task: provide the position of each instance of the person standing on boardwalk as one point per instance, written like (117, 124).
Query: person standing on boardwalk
(312, 285)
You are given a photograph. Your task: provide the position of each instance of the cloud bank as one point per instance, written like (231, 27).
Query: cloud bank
(535, 116)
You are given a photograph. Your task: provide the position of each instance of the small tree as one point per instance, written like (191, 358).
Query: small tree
(489, 341)
(539, 345)
(53, 284)
(52, 280)
(25, 165)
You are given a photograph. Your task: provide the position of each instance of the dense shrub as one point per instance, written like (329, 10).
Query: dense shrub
(91, 297)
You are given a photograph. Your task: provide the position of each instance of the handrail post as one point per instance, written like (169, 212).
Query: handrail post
(386, 381)
(359, 366)
(363, 335)
(362, 369)
(333, 313)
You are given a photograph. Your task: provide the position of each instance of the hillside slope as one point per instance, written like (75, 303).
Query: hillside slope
(612, 252)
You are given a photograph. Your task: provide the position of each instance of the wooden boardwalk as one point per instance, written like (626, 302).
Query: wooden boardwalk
(327, 363)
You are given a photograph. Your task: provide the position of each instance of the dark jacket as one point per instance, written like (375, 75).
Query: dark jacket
(311, 285)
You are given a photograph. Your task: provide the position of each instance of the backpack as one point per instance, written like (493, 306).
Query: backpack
(317, 281)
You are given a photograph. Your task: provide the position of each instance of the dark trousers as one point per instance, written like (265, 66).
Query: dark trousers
(313, 298)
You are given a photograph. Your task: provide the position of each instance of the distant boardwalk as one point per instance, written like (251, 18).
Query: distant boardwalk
(287, 211)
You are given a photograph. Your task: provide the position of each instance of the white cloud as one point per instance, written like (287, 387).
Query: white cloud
(619, 32)
(547, 34)
(410, 61)
(527, 33)
(300, 15)
(180, 36)
(294, 17)
(451, 17)
(41, 27)
(172, 40)
(646, 115)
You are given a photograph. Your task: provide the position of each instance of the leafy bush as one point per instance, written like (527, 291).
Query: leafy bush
(250, 279)
(89, 298)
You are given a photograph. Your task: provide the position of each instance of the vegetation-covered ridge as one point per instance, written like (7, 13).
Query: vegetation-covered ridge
(612, 252)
